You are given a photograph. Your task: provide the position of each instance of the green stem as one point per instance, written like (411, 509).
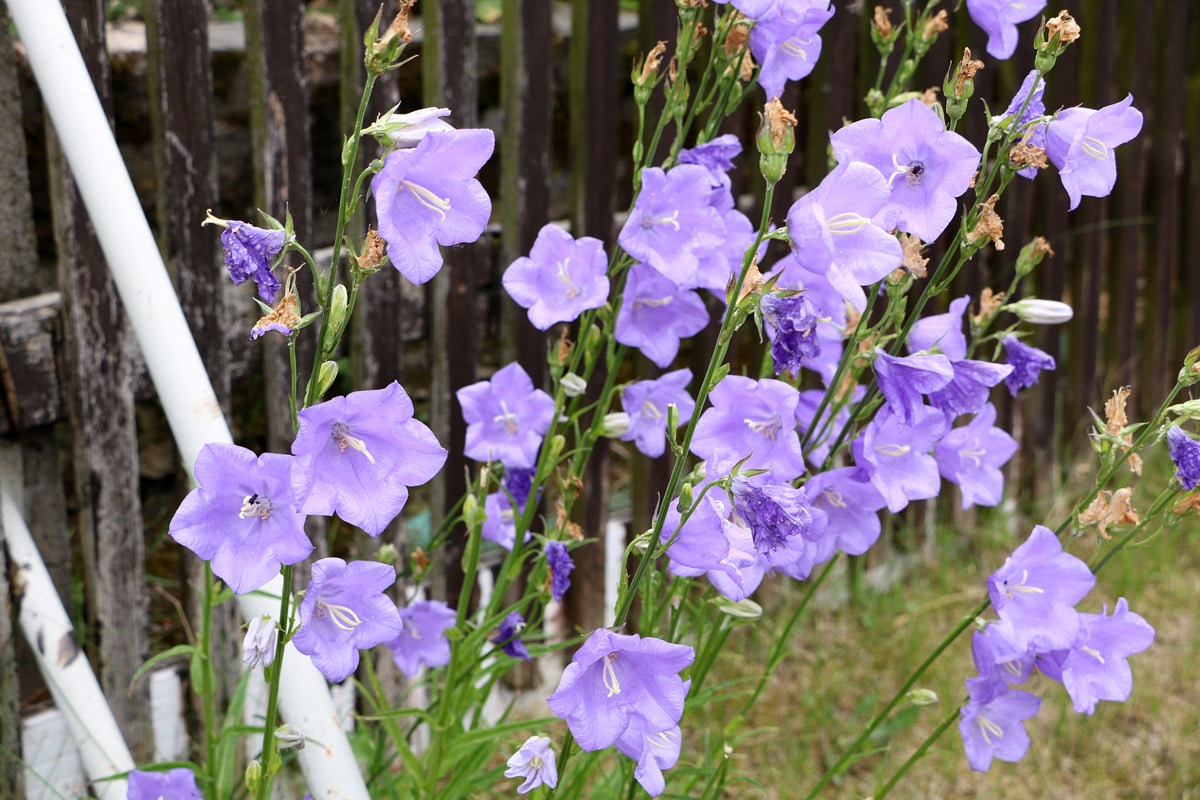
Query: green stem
(270, 753)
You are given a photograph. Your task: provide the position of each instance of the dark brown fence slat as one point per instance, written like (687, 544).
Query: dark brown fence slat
(450, 81)
(12, 768)
(98, 348)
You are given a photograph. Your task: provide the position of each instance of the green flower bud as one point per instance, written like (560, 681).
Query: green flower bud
(326, 376)
(338, 305)
(1032, 254)
(253, 776)
(573, 385)
(922, 697)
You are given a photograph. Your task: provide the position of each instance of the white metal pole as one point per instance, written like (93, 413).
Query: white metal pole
(171, 356)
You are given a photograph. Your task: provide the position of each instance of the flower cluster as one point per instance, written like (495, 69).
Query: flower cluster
(1034, 594)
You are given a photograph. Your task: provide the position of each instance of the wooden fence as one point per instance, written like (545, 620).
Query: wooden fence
(206, 111)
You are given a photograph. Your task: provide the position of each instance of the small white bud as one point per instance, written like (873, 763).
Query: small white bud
(1042, 312)
(289, 738)
(573, 385)
(922, 697)
(407, 130)
(616, 424)
(258, 648)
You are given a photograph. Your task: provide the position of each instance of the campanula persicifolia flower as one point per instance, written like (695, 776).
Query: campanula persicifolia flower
(344, 611)
(242, 517)
(999, 19)
(1027, 364)
(508, 636)
(423, 641)
(754, 419)
(506, 418)
(646, 404)
(249, 253)
(1185, 452)
(357, 455)
(1082, 143)
(673, 222)
(534, 762)
(656, 315)
(971, 457)
(176, 784)
(558, 561)
(851, 504)
(896, 457)
(653, 751)
(785, 41)
(791, 325)
(903, 381)
(560, 278)
(428, 195)
(1096, 668)
(992, 722)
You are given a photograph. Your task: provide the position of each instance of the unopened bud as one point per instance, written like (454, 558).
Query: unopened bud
(1032, 254)
(922, 697)
(616, 424)
(253, 776)
(326, 376)
(1042, 312)
(573, 385)
(258, 647)
(470, 511)
(593, 340)
(338, 305)
(387, 554)
(775, 139)
(685, 497)
(289, 738)
(557, 445)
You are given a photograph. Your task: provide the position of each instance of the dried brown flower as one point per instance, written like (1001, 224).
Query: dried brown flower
(779, 121)
(652, 62)
(966, 69)
(374, 251)
(989, 304)
(883, 22)
(284, 313)
(1110, 508)
(938, 23)
(990, 226)
(913, 263)
(1022, 155)
(1064, 27)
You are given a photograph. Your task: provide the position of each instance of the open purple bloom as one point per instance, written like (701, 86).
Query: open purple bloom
(992, 723)
(785, 41)
(967, 392)
(903, 381)
(174, 784)
(996, 653)
(1081, 143)
(673, 222)
(783, 524)
(344, 611)
(941, 332)
(1185, 452)
(559, 563)
(428, 195)
(653, 752)
(999, 19)
(716, 156)
(712, 543)
(423, 641)
(248, 255)
(535, 763)
(791, 324)
(1036, 591)
(755, 420)
(646, 404)
(829, 307)
(927, 166)
(357, 455)
(1027, 363)
(617, 680)
(500, 525)
(1096, 667)
(560, 279)
(656, 314)
(833, 233)
(851, 505)
(896, 456)
(506, 418)
(508, 636)
(971, 457)
(242, 517)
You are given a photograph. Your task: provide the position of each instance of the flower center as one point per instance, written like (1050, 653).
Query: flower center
(342, 616)
(609, 675)
(973, 454)
(649, 222)
(565, 277)
(436, 204)
(988, 729)
(846, 223)
(794, 47)
(507, 417)
(1093, 653)
(255, 505)
(536, 762)
(651, 410)
(767, 428)
(1020, 586)
(834, 498)
(912, 171)
(341, 434)
(1094, 148)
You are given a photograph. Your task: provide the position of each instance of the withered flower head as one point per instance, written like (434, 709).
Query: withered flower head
(1064, 27)
(1022, 155)
(399, 26)
(936, 24)
(284, 317)
(990, 226)
(967, 69)
(989, 304)
(778, 120)
(374, 252)
(883, 22)
(1114, 411)
(652, 62)
(913, 263)
(1111, 508)
(753, 283)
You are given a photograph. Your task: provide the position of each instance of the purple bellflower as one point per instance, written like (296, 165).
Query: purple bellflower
(754, 420)
(500, 525)
(535, 763)
(967, 392)
(927, 166)
(1027, 363)
(999, 19)
(673, 222)
(783, 524)
(242, 517)
(829, 307)
(751, 8)
(357, 455)
(903, 381)
(833, 232)
(791, 324)
(423, 641)
(174, 784)
(656, 314)
(506, 418)
(971, 456)
(851, 505)
(896, 456)
(560, 565)
(785, 41)
(653, 753)
(712, 543)
(941, 332)
(992, 722)
(1185, 452)
(646, 404)
(1036, 589)
(429, 195)
(996, 654)
(344, 611)
(1035, 109)
(1081, 143)
(616, 681)
(249, 252)
(508, 636)
(716, 156)
(1096, 668)
(560, 279)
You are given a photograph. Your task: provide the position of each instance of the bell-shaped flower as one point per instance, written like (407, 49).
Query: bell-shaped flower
(1096, 667)
(999, 19)
(617, 680)
(656, 314)
(786, 43)
(1082, 142)
(755, 421)
(242, 517)
(992, 722)
(428, 196)
(506, 418)
(791, 325)
(713, 544)
(534, 762)
(967, 392)
(829, 307)
(851, 506)
(1029, 104)
(1036, 590)
(646, 404)
(996, 653)
(653, 752)
(1185, 452)
(1027, 362)
(833, 230)
(560, 279)
(423, 641)
(926, 166)
(508, 636)
(357, 455)
(249, 253)
(903, 381)
(942, 333)
(673, 222)
(896, 456)
(971, 457)
(344, 611)
(176, 784)
(560, 566)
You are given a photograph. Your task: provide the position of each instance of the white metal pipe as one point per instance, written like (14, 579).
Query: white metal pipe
(171, 356)
(66, 670)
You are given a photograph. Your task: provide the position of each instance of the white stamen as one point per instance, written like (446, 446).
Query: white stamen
(609, 675)
(846, 223)
(974, 455)
(642, 302)
(573, 289)
(986, 726)
(1093, 653)
(673, 220)
(507, 417)
(768, 428)
(341, 435)
(1020, 586)
(439, 205)
(834, 498)
(1094, 148)
(343, 617)
(894, 450)
(651, 410)
(254, 505)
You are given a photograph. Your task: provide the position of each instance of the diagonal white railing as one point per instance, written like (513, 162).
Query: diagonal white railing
(171, 356)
